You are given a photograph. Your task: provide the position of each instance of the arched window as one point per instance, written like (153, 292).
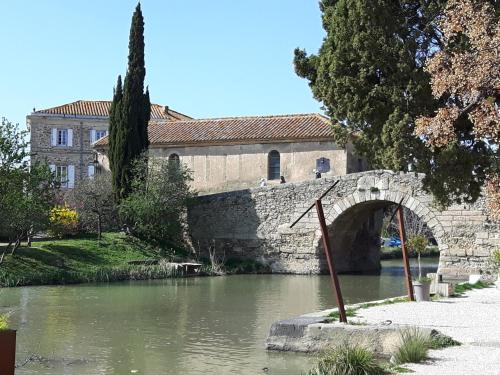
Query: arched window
(174, 158)
(273, 165)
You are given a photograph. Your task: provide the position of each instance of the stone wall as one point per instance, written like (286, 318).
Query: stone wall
(255, 224)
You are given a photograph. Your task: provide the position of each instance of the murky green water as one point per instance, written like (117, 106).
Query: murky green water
(183, 326)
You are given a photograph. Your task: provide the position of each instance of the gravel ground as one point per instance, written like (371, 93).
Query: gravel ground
(473, 319)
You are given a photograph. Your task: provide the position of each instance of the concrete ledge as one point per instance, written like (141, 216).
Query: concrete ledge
(315, 337)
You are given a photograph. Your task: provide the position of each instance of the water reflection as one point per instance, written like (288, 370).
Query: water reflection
(184, 326)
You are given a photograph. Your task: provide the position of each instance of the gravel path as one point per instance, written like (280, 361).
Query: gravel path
(473, 319)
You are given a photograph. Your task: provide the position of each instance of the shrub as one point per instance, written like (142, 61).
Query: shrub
(414, 346)
(495, 258)
(63, 221)
(4, 322)
(347, 359)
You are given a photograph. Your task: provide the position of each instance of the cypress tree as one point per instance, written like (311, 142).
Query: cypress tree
(130, 112)
(369, 74)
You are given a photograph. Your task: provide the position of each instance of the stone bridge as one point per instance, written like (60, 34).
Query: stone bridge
(254, 224)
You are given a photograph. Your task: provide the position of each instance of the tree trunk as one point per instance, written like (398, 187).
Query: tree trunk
(30, 236)
(5, 251)
(16, 245)
(99, 225)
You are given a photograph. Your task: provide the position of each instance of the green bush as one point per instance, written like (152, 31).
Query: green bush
(440, 341)
(414, 346)
(4, 322)
(347, 359)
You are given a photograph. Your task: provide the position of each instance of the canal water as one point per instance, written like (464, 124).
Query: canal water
(206, 325)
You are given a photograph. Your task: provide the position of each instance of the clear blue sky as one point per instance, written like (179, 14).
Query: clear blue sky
(205, 58)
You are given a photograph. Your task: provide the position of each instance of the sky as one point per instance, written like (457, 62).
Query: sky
(204, 58)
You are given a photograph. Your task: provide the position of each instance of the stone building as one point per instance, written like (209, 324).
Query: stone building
(239, 152)
(63, 136)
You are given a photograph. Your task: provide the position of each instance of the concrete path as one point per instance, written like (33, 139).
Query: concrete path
(473, 319)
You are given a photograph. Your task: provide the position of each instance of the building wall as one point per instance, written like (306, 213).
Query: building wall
(79, 154)
(227, 167)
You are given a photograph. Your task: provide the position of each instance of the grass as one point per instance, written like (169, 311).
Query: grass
(464, 287)
(351, 311)
(414, 347)
(81, 259)
(348, 359)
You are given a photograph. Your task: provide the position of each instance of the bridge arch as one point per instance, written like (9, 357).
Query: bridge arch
(255, 223)
(354, 225)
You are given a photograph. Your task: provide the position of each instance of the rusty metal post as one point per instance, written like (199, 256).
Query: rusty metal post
(331, 266)
(406, 261)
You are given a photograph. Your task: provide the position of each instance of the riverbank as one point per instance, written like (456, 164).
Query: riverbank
(472, 318)
(388, 252)
(82, 259)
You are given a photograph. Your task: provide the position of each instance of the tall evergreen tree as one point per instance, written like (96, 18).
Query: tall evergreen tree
(130, 112)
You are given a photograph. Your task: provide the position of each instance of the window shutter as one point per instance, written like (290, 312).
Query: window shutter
(52, 168)
(91, 171)
(54, 137)
(71, 176)
(70, 137)
(92, 136)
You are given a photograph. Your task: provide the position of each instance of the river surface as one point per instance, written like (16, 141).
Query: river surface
(206, 325)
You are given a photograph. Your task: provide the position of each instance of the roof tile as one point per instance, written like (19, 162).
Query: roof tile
(238, 130)
(100, 108)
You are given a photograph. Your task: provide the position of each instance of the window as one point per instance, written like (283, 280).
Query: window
(62, 137)
(273, 165)
(100, 134)
(174, 158)
(62, 175)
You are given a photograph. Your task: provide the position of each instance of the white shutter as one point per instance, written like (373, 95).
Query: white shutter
(91, 170)
(54, 137)
(71, 176)
(52, 168)
(92, 136)
(70, 137)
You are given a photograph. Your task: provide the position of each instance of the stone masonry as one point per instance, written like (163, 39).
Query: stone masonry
(255, 224)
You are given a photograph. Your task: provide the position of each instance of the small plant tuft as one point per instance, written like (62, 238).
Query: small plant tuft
(348, 359)
(414, 347)
(335, 315)
(440, 341)
(464, 287)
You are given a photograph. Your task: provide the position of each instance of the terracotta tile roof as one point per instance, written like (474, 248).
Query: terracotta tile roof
(238, 130)
(100, 108)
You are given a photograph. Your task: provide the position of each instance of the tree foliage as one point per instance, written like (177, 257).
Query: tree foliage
(93, 200)
(155, 209)
(370, 75)
(466, 81)
(26, 193)
(130, 112)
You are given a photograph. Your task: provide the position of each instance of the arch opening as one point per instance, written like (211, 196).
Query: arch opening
(356, 236)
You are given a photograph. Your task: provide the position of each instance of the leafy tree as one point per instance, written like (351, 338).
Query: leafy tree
(465, 78)
(130, 112)
(26, 194)
(369, 74)
(155, 209)
(93, 200)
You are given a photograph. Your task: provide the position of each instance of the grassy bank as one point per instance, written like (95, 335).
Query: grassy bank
(387, 252)
(82, 259)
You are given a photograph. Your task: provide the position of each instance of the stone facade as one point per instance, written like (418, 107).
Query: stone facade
(255, 224)
(84, 122)
(217, 168)
(78, 155)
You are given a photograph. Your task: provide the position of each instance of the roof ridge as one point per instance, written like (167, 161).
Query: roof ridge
(292, 115)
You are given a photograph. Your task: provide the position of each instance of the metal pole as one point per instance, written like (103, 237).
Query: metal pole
(312, 205)
(331, 266)
(406, 262)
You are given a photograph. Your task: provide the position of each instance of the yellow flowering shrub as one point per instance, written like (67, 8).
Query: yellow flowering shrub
(63, 221)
